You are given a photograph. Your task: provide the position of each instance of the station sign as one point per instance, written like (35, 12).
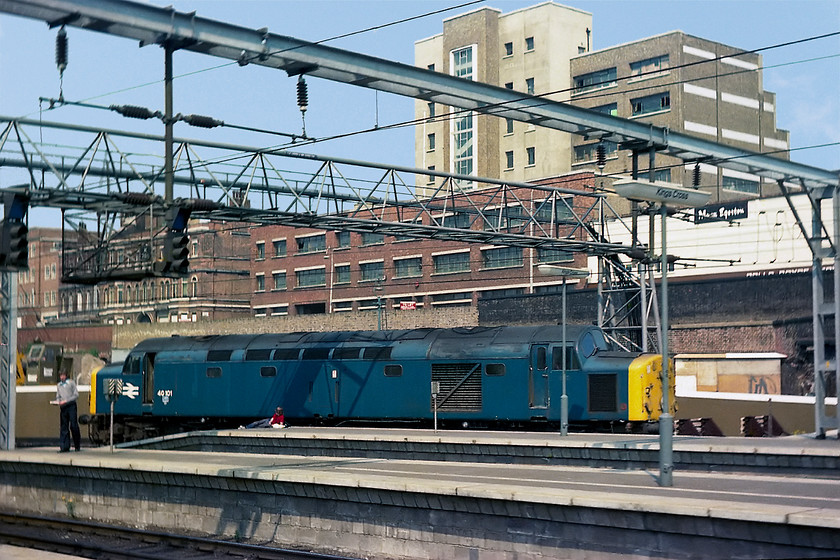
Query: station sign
(408, 305)
(726, 212)
(669, 194)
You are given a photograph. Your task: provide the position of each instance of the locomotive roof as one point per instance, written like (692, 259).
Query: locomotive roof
(443, 340)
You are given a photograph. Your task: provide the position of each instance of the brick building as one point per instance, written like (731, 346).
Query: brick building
(39, 286)
(304, 271)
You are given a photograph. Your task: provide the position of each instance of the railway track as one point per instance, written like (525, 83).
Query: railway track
(95, 540)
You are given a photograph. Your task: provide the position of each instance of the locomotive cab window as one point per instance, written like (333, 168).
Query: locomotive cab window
(132, 364)
(588, 345)
(214, 372)
(572, 361)
(494, 369)
(268, 371)
(393, 370)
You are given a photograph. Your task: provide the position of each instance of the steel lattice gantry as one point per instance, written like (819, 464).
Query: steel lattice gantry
(165, 26)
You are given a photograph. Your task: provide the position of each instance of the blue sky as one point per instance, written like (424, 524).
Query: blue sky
(105, 70)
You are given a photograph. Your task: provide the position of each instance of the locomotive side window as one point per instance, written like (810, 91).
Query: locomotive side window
(495, 369)
(316, 353)
(572, 361)
(393, 370)
(268, 371)
(214, 372)
(286, 354)
(258, 354)
(377, 353)
(346, 353)
(219, 355)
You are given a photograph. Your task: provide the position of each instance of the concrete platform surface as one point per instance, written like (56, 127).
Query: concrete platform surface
(793, 500)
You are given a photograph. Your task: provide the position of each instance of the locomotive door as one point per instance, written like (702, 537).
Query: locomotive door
(538, 378)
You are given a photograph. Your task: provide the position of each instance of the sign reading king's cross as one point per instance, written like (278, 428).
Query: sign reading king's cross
(408, 305)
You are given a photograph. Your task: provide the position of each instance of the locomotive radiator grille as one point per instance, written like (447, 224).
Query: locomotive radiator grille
(602, 393)
(460, 386)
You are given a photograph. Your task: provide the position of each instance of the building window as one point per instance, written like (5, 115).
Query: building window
(608, 109)
(529, 44)
(430, 179)
(463, 155)
(509, 85)
(431, 67)
(342, 239)
(502, 257)
(508, 126)
(509, 160)
(651, 104)
(311, 243)
(279, 281)
(658, 175)
(451, 262)
(372, 271)
(369, 238)
(529, 85)
(595, 80)
(408, 268)
(649, 66)
(589, 152)
(430, 142)
(279, 246)
(563, 212)
(342, 274)
(260, 287)
(532, 155)
(508, 49)
(740, 185)
(342, 306)
(458, 220)
(457, 299)
(310, 277)
(260, 250)
(553, 255)
(462, 63)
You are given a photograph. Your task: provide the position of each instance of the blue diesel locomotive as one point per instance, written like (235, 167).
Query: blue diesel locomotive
(506, 377)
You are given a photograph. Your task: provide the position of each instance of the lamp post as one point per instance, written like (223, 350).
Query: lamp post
(565, 272)
(667, 194)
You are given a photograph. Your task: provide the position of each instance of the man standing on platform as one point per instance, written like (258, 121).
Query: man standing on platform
(65, 397)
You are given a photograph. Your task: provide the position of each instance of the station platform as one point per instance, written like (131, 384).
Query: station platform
(405, 508)
(797, 455)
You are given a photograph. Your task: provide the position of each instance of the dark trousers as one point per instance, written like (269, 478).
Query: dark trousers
(69, 425)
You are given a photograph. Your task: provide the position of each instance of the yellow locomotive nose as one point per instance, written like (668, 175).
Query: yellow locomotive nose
(644, 388)
(93, 390)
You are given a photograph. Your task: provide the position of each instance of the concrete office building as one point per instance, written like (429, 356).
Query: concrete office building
(526, 50)
(689, 85)
(686, 83)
